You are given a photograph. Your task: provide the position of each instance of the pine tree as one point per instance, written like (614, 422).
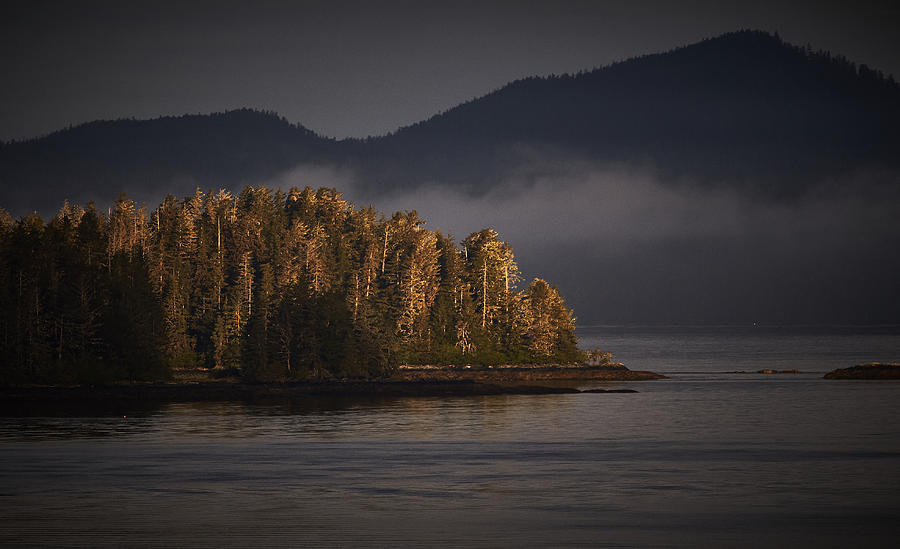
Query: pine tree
(418, 287)
(492, 275)
(255, 357)
(550, 324)
(296, 285)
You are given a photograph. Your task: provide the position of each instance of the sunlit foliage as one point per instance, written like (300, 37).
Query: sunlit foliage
(273, 285)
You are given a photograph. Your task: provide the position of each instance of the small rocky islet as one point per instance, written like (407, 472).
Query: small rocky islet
(872, 370)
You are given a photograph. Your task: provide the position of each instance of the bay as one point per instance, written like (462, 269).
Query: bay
(704, 458)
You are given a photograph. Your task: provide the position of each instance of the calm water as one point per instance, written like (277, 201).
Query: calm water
(705, 458)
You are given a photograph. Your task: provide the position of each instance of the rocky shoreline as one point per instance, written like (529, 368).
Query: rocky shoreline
(874, 370)
(767, 371)
(229, 390)
(15, 400)
(427, 381)
(520, 374)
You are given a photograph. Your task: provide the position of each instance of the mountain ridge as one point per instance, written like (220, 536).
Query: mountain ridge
(650, 107)
(743, 109)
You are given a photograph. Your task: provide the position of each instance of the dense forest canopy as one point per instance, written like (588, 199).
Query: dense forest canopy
(273, 285)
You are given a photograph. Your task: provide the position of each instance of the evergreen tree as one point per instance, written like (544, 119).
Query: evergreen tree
(278, 286)
(550, 324)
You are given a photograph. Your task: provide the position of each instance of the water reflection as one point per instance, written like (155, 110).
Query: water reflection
(687, 461)
(419, 417)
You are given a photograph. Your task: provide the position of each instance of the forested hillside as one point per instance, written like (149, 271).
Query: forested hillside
(273, 285)
(149, 158)
(743, 110)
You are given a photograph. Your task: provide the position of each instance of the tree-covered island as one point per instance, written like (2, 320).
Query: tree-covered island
(268, 285)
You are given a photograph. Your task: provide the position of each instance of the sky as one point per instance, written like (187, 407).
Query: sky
(345, 68)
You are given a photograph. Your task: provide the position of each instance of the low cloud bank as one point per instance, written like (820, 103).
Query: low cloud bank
(626, 248)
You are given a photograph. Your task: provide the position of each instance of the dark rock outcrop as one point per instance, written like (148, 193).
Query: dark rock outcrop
(519, 374)
(874, 370)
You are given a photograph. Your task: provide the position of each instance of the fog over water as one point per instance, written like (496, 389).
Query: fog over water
(626, 246)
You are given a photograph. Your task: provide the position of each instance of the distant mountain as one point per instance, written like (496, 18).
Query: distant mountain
(145, 157)
(744, 109)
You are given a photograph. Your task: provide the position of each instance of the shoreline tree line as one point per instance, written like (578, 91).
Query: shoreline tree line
(267, 284)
